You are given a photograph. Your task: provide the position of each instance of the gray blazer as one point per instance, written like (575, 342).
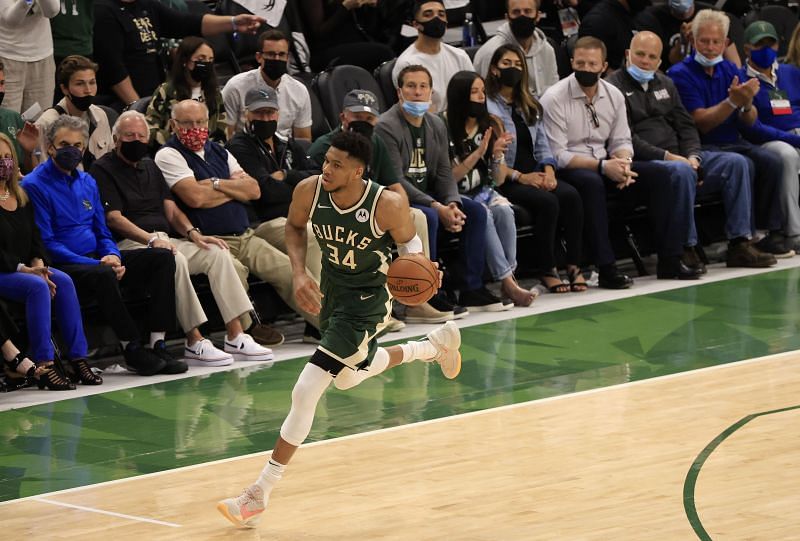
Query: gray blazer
(393, 130)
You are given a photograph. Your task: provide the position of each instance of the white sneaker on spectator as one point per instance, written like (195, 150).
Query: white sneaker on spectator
(244, 348)
(204, 353)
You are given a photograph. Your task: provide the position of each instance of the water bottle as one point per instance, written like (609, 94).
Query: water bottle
(468, 31)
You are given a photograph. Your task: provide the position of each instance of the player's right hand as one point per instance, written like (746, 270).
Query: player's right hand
(307, 294)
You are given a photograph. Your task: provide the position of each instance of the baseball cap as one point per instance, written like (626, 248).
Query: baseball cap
(258, 98)
(759, 30)
(358, 101)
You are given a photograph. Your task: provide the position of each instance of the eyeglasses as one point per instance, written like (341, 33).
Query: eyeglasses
(192, 123)
(272, 55)
(593, 113)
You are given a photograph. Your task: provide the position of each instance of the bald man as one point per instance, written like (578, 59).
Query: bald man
(663, 131)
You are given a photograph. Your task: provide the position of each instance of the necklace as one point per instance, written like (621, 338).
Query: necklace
(5, 196)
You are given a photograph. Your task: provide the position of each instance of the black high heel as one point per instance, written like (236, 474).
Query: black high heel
(84, 373)
(16, 377)
(47, 375)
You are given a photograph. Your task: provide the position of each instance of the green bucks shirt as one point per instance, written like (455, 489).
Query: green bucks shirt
(355, 252)
(417, 173)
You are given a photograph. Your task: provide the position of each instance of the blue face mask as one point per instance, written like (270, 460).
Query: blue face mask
(681, 7)
(416, 108)
(707, 62)
(641, 76)
(763, 57)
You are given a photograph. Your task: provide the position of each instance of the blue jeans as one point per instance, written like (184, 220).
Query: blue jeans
(501, 239)
(473, 240)
(766, 172)
(726, 173)
(34, 293)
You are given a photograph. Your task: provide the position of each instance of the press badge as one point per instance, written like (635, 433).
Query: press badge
(779, 102)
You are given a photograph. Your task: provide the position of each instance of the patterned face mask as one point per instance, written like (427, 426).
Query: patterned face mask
(193, 138)
(7, 169)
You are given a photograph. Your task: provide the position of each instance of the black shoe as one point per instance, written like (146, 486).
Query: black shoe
(83, 373)
(613, 279)
(441, 303)
(143, 361)
(745, 254)
(173, 365)
(775, 244)
(692, 260)
(672, 268)
(481, 300)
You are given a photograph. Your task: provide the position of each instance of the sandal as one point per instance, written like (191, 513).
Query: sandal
(84, 373)
(18, 372)
(558, 287)
(573, 275)
(47, 375)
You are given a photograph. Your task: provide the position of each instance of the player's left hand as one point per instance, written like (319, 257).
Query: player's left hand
(307, 294)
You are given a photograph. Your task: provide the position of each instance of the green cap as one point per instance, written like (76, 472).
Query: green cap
(759, 30)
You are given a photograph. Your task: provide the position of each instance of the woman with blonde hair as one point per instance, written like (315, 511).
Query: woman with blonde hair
(25, 278)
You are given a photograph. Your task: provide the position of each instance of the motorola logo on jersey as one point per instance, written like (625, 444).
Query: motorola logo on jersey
(362, 215)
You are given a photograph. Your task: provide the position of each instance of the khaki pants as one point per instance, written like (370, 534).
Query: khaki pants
(218, 265)
(28, 83)
(269, 264)
(274, 232)
(421, 226)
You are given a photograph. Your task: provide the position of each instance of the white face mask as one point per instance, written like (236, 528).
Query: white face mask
(707, 62)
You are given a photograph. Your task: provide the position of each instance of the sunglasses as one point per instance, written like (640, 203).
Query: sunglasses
(593, 114)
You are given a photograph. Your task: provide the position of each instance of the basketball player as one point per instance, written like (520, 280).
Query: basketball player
(355, 222)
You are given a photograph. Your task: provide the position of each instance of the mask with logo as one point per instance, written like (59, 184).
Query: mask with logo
(764, 57)
(263, 129)
(681, 8)
(510, 77)
(362, 127)
(476, 109)
(707, 62)
(416, 108)
(133, 151)
(587, 78)
(640, 75)
(193, 138)
(68, 158)
(274, 69)
(82, 103)
(435, 28)
(7, 168)
(202, 71)
(522, 27)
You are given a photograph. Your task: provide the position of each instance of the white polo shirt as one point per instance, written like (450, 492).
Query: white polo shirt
(293, 101)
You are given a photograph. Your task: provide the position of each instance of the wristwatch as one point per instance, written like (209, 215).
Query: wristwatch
(215, 183)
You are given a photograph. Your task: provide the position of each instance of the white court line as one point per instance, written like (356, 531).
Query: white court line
(110, 513)
(535, 402)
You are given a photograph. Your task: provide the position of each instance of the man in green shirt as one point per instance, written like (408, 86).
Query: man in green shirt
(360, 114)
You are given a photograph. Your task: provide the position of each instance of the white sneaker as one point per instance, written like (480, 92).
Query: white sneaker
(244, 348)
(447, 340)
(246, 509)
(204, 353)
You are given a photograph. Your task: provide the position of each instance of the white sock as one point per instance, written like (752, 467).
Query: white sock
(235, 341)
(270, 475)
(155, 337)
(421, 350)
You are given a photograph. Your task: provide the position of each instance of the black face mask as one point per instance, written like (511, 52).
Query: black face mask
(68, 158)
(587, 78)
(522, 27)
(274, 69)
(2, 95)
(435, 28)
(133, 151)
(263, 129)
(202, 71)
(363, 127)
(510, 77)
(82, 103)
(476, 110)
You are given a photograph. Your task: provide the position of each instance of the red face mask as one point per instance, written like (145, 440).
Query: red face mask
(193, 138)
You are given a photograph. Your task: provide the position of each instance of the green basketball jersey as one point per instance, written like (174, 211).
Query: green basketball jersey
(355, 252)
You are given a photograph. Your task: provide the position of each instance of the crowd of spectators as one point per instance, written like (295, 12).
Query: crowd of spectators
(100, 196)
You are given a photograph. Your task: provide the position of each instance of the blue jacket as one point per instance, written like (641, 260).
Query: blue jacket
(69, 215)
(541, 146)
(770, 127)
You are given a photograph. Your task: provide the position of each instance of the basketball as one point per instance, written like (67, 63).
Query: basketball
(413, 279)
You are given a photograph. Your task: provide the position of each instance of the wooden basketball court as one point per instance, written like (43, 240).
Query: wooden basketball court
(658, 459)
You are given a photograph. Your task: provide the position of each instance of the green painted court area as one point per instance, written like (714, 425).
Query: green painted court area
(146, 429)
